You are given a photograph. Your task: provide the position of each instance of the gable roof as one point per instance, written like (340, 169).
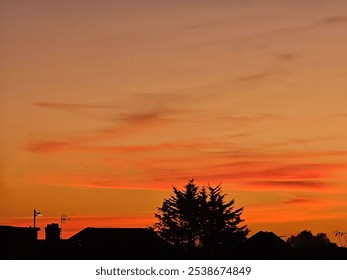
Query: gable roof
(266, 245)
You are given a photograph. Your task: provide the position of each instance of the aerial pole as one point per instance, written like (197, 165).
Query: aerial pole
(36, 213)
(63, 219)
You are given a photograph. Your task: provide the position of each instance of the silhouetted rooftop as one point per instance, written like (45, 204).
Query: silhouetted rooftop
(266, 245)
(121, 243)
(143, 244)
(17, 242)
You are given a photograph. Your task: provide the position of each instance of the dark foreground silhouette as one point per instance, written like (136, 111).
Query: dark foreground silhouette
(142, 244)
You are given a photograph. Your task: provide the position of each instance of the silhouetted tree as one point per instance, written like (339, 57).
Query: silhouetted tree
(306, 240)
(198, 218)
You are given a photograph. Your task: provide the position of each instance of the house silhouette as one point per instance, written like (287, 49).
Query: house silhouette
(265, 246)
(17, 242)
(120, 243)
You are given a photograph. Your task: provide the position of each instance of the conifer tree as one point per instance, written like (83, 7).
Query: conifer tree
(198, 218)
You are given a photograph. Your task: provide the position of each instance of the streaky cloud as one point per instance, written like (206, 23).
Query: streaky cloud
(250, 119)
(295, 201)
(50, 146)
(286, 56)
(65, 146)
(122, 126)
(256, 77)
(72, 106)
(333, 20)
(290, 185)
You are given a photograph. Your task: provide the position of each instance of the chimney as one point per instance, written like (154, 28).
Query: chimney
(52, 232)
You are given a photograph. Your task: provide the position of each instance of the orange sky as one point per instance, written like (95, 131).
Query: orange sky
(107, 104)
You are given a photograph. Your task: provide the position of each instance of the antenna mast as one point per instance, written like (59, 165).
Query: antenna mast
(63, 219)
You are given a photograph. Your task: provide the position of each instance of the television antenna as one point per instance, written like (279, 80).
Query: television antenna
(63, 220)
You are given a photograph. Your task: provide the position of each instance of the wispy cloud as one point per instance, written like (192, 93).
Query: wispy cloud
(77, 146)
(295, 201)
(323, 203)
(286, 213)
(123, 125)
(51, 146)
(289, 185)
(333, 20)
(267, 171)
(286, 56)
(151, 118)
(251, 119)
(169, 146)
(72, 106)
(256, 77)
(300, 171)
(327, 21)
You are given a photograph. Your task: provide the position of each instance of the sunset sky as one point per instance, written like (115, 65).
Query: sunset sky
(105, 105)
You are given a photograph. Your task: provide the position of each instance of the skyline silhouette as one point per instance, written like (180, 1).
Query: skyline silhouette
(142, 244)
